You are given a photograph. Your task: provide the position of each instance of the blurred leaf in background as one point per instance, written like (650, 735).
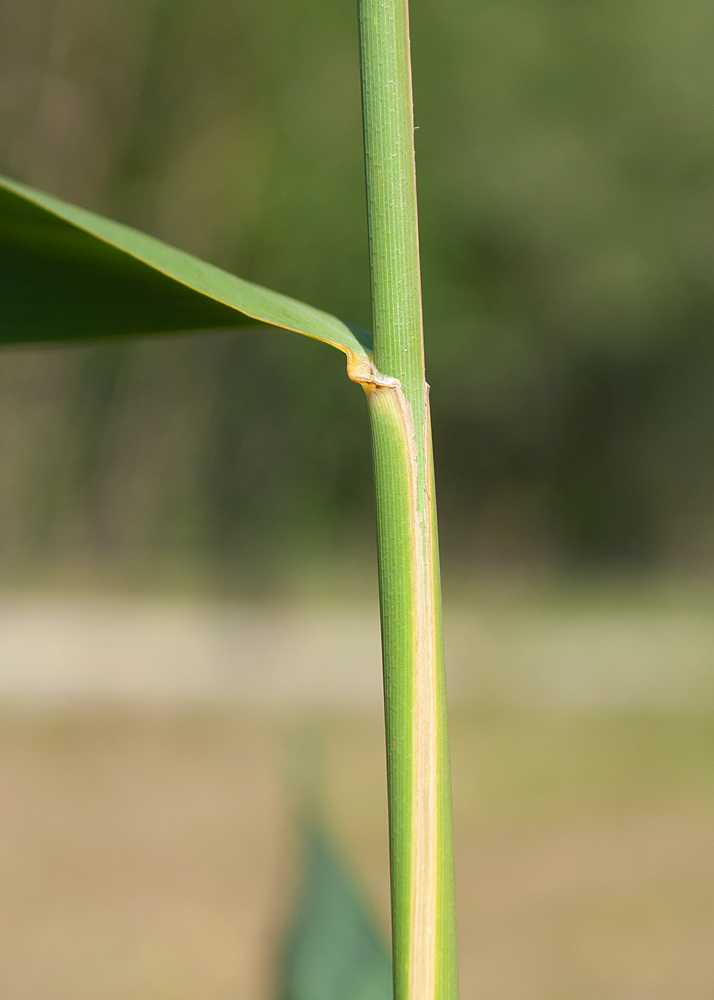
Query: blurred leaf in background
(333, 950)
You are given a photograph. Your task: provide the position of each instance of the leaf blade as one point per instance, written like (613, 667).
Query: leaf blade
(67, 273)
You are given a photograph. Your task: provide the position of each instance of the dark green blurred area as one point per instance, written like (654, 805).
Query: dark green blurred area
(566, 175)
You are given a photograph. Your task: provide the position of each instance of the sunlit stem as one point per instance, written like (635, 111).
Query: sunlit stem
(423, 922)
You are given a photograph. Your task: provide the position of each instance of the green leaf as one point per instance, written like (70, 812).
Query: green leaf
(68, 274)
(334, 951)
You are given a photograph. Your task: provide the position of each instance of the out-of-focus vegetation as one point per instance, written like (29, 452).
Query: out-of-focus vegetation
(566, 171)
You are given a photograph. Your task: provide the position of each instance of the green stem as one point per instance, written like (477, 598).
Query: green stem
(423, 922)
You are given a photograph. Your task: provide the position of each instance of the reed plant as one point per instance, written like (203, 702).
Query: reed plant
(68, 275)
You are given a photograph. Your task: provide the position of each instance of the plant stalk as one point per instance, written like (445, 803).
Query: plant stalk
(421, 842)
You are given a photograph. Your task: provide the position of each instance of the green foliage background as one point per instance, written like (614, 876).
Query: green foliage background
(566, 172)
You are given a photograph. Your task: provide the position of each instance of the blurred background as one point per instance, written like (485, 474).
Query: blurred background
(187, 564)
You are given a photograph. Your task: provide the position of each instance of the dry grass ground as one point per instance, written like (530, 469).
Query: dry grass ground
(151, 856)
